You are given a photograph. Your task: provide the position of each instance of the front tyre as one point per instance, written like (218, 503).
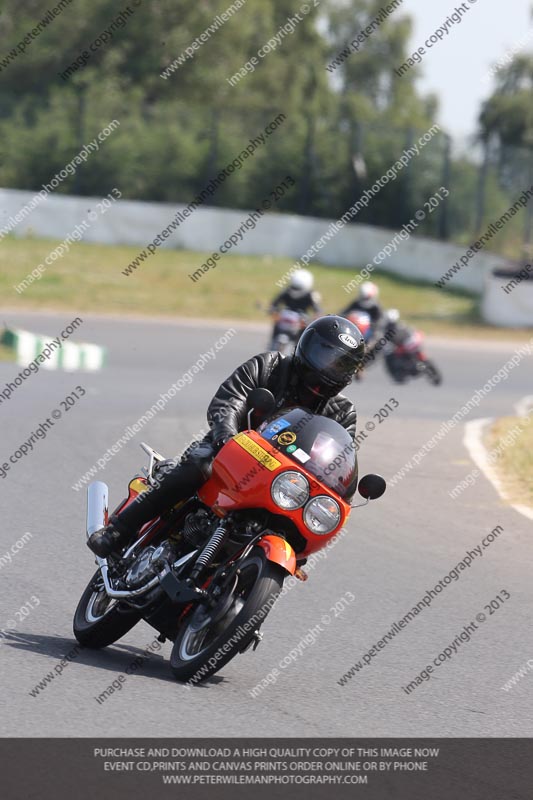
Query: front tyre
(283, 344)
(100, 620)
(395, 369)
(210, 637)
(432, 373)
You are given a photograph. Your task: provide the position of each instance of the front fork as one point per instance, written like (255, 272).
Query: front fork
(276, 549)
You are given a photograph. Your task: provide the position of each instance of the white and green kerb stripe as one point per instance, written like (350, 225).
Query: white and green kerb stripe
(69, 356)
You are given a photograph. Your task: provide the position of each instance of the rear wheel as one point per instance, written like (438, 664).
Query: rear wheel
(99, 620)
(210, 637)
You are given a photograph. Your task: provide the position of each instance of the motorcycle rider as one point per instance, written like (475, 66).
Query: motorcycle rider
(299, 296)
(396, 333)
(392, 327)
(392, 332)
(327, 357)
(401, 347)
(367, 300)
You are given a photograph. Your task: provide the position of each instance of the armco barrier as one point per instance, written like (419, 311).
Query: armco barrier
(508, 298)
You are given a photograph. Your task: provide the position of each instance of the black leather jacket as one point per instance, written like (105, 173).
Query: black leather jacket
(305, 303)
(227, 412)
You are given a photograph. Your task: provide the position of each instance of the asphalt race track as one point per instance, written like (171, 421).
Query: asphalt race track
(394, 550)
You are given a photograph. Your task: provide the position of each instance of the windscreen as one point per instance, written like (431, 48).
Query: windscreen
(319, 444)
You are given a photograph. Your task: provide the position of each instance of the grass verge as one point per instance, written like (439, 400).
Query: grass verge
(6, 354)
(513, 463)
(89, 278)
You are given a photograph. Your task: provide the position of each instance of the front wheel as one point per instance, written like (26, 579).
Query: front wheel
(210, 637)
(432, 373)
(100, 620)
(283, 344)
(395, 369)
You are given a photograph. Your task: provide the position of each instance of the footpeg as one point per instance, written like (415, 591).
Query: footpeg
(257, 638)
(181, 591)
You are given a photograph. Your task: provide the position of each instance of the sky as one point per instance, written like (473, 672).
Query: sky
(454, 69)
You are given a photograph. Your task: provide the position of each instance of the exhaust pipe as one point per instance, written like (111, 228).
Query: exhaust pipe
(97, 506)
(97, 517)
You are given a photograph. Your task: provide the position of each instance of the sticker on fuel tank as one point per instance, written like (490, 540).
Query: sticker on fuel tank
(258, 452)
(286, 438)
(275, 427)
(301, 455)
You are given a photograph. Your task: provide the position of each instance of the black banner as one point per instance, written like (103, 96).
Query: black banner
(374, 769)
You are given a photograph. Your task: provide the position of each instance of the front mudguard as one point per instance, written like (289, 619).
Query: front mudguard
(279, 552)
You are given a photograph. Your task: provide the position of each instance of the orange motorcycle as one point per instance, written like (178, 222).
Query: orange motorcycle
(206, 574)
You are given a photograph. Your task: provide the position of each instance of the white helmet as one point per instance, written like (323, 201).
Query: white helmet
(392, 316)
(301, 283)
(368, 291)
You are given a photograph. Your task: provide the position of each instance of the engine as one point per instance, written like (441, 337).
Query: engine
(197, 529)
(149, 563)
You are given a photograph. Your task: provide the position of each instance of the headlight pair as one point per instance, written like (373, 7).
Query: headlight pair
(290, 490)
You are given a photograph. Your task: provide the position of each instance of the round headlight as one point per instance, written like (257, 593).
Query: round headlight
(290, 490)
(322, 514)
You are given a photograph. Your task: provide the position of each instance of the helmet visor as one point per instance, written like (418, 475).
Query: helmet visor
(334, 364)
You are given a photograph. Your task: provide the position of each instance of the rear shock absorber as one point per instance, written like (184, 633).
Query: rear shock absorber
(209, 552)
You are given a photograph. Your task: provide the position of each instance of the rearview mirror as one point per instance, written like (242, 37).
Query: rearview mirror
(262, 401)
(372, 486)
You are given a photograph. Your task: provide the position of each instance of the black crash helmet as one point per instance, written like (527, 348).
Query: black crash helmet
(329, 353)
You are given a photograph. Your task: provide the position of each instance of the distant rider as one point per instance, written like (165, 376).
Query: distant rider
(366, 300)
(394, 334)
(301, 301)
(299, 296)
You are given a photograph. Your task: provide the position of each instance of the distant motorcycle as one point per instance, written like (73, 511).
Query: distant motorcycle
(405, 358)
(363, 322)
(288, 327)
